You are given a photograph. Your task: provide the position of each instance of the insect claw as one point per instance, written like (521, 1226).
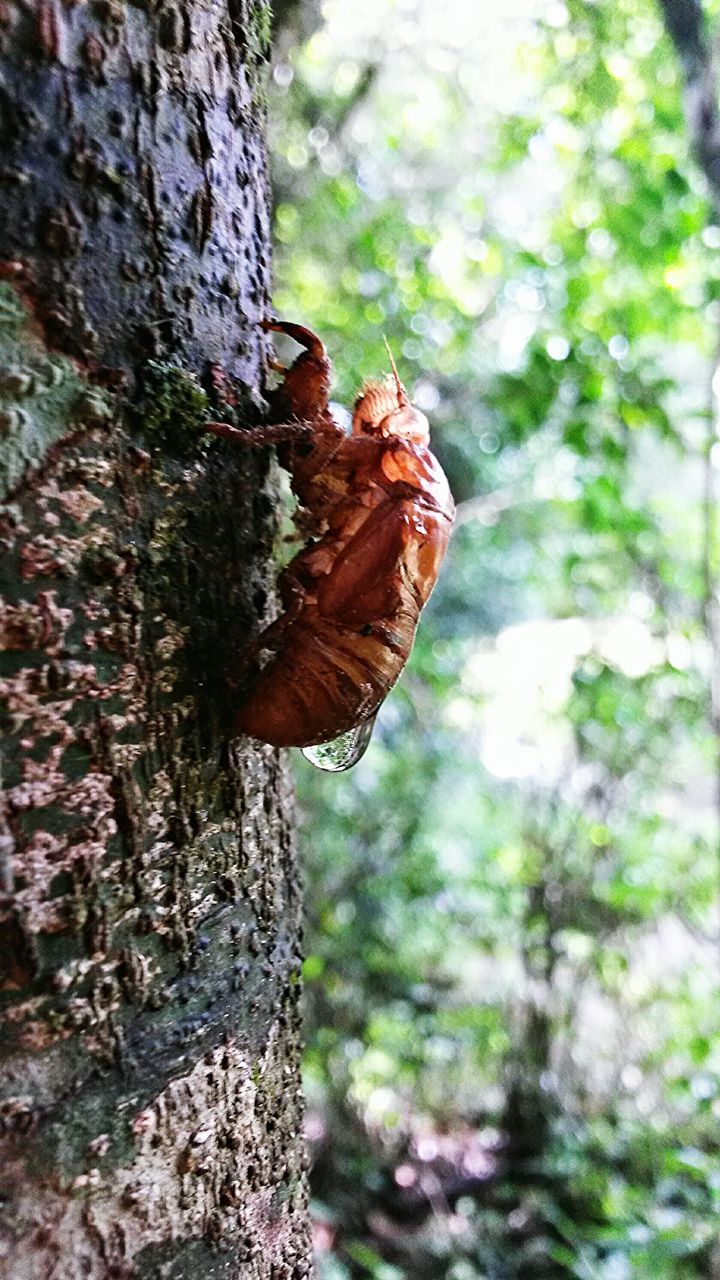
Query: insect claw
(300, 334)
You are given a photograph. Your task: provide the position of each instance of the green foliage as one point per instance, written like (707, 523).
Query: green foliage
(513, 898)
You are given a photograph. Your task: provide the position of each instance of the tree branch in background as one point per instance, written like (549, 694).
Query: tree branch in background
(687, 28)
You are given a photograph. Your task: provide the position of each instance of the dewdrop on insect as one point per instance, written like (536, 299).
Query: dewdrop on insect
(342, 752)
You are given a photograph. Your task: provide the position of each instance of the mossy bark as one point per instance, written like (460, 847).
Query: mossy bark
(149, 903)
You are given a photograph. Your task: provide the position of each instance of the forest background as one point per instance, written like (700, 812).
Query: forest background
(513, 1067)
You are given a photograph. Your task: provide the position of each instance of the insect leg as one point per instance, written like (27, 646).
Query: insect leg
(304, 337)
(275, 433)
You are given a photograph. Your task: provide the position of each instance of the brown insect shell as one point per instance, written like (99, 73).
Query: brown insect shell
(382, 513)
(385, 513)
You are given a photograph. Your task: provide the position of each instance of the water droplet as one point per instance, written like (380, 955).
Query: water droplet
(343, 752)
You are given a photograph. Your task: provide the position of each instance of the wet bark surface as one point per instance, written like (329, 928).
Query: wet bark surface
(149, 901)
(132, 169)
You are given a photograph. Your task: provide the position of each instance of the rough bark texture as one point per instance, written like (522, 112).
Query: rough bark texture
(149, 904)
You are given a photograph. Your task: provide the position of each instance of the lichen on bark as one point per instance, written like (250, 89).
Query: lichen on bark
(149, 902)
(40, 391)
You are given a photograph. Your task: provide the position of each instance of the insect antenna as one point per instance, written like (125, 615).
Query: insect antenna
(401, 392)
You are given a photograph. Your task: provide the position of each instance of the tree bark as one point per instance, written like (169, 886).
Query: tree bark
(149, 900)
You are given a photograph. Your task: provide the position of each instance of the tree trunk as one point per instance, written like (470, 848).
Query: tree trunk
(149, 901)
